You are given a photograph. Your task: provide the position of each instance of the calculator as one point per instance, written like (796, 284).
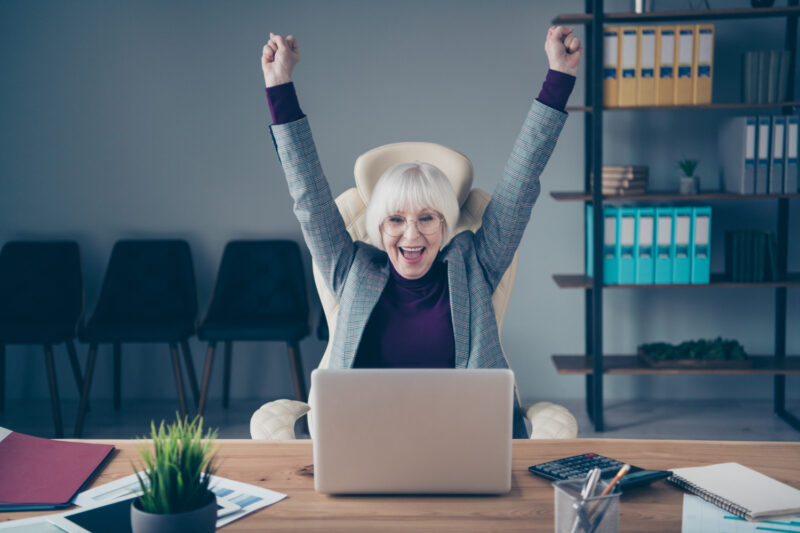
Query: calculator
(580, 465)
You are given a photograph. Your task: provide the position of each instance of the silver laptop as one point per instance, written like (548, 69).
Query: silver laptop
(415, 431)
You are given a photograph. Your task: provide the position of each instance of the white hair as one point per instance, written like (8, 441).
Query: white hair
(411, 187)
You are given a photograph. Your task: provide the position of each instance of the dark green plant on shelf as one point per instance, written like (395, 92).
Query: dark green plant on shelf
(705, 350)
(179, 468)
(688, 183)
(688, 166)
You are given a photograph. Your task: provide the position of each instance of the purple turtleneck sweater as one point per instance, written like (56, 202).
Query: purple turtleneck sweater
(411, 325)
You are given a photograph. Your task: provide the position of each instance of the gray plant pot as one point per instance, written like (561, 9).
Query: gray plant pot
(689, 185)
(200, 520)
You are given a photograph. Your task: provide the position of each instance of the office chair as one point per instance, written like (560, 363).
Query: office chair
(322, 328)
(352, 205)
(148, 296)
(260, 295)
(41, 302)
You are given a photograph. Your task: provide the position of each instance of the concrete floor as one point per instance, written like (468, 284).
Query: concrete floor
(686, 419)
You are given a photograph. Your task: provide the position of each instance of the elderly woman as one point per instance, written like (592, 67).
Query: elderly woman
(419, 297)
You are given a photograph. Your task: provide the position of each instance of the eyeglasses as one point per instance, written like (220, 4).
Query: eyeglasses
(427, 224)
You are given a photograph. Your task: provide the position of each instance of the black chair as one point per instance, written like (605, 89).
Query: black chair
(41, 302)
(148, 296)
(322, 328)
(260, 295)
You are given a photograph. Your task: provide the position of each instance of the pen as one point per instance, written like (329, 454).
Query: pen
(586, 492)
(594, 474)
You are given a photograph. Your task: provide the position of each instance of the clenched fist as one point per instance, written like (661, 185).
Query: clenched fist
(563, 49)
(278, 59)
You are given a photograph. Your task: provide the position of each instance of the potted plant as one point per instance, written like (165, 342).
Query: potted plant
(689, 183)
(176, 497)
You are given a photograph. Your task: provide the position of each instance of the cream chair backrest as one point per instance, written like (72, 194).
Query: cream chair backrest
(353, 204)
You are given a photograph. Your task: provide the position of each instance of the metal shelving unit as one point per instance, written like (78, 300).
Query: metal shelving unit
(593, 363)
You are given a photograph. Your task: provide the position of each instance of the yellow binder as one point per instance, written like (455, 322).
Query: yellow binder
(704, 61)
(684, 58)
(646, 65)
(611, 67)
(665, 65)
(627, 62)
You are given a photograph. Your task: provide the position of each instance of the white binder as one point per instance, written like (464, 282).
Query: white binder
(777, 154)
(790, 168)
(737, 152)
(762, 162)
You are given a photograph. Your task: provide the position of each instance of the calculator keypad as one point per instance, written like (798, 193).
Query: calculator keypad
(577, 466)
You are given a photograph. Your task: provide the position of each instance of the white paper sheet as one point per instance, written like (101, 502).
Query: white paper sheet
(239, 499)
(700, 516)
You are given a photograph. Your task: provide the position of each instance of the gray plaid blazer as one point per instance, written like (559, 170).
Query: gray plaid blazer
(357, 273)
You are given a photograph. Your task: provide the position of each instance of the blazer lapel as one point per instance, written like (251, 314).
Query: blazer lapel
(459, 305)
(366, 296)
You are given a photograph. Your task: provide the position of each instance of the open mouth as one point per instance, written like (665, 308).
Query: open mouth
(411, 254)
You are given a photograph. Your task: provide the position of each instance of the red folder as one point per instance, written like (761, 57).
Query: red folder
(38, 473)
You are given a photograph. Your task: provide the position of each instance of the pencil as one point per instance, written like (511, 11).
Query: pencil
(620, 475)
(606, 491)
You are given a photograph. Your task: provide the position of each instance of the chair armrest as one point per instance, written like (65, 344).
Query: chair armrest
(275, 420)
(551, 421)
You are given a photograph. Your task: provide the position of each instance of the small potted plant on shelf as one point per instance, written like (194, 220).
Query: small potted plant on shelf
(717, 353)
(689, 182)
(176, 497)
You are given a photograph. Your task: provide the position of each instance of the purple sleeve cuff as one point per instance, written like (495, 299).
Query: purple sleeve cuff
(556, 89)
(283, 104)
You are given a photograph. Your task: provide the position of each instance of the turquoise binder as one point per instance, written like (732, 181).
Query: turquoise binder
(644, 249)
(682, 236)
(665, 245)
(701, 244)
(611, 249)
(627, 245)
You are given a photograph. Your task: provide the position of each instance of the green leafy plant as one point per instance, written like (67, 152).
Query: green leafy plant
(179, 468)
(718, 349)
(688, 166)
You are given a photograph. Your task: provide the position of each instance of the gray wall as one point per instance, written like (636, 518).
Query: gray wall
(148, 119)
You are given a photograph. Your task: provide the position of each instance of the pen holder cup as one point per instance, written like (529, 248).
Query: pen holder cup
(598, 514)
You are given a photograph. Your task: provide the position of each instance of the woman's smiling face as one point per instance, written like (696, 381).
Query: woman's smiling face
(412, 252)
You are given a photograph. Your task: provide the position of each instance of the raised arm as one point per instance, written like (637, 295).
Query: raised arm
(507, 215)
(324, 230)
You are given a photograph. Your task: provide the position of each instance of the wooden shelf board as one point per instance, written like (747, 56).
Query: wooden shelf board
(693, 107)
(664, 16)
(630, 364)
(580, 196)
(582, 281)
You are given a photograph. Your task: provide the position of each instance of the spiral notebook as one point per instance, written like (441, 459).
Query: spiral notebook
(739, 490)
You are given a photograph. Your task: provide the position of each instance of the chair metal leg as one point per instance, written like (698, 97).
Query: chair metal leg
(297, 371)
(76, 367)
(187, 357)
(2, 377)
(117, 375)
(87, 384)
(201, 403)
(51, 379)
(226, 379)
(176, 367)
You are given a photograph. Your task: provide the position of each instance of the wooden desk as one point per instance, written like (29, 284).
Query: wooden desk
(285, 467)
